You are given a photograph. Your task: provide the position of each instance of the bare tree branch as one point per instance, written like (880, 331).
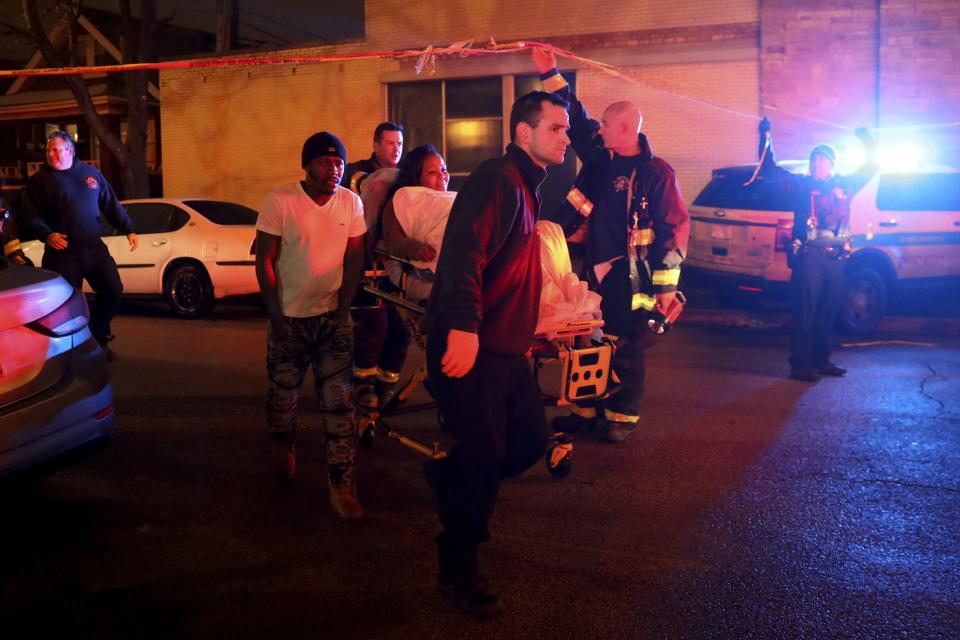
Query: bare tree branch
(58, 46)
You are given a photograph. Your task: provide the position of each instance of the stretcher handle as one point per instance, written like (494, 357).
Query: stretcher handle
(392, 299)
(390, 256)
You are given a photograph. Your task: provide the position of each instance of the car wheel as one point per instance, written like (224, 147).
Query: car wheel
(188, 291)
(864, 301)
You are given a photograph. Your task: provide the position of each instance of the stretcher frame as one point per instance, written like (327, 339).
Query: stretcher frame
(585, 367)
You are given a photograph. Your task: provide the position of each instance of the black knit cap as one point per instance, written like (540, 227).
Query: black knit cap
(322, 144)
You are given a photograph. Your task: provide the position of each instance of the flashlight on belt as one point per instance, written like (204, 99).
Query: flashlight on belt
(661, 320)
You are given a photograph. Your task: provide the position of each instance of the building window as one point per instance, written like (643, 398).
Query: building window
(468, 121)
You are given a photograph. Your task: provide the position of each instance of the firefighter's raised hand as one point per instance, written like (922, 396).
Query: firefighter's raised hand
(868, 141)
(543, 59)
(461, 354)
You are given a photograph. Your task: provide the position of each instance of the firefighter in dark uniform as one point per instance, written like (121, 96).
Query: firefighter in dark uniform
(63, 205)
(637, 231)
(387, 148)
(376, 324)
(818, 247)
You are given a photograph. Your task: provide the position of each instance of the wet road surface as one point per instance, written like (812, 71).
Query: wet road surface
(748, 505)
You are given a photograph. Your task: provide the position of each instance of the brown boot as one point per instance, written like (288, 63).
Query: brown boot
(286, 460)
(343, 494)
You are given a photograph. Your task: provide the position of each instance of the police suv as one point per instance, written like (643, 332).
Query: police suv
(905, 226)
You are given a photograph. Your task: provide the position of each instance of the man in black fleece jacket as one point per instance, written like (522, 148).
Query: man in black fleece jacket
(480, 322)
(62, 206)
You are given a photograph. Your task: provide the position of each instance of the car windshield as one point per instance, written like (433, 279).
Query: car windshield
(727, 191)
(229, 213)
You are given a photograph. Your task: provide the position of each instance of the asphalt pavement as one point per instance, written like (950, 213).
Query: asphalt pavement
(747, 505)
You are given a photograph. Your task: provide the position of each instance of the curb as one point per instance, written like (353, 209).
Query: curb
(760, 321)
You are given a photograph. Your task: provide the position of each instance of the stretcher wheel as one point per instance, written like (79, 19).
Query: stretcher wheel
(559, 456)
(367, 429)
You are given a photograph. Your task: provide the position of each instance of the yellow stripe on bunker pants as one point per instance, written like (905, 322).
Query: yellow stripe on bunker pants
(373, 385)
(363, 391)
(617, 426)
(590, 413)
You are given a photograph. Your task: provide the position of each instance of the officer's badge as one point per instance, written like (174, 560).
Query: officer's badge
(91, 183)
(621, 183)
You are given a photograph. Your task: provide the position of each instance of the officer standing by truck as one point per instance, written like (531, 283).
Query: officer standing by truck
(817, 249)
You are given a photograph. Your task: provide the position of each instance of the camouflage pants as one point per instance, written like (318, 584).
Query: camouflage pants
(327, 347)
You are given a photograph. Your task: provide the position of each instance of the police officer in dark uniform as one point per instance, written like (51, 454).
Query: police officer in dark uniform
(637, 231)
(818, 246)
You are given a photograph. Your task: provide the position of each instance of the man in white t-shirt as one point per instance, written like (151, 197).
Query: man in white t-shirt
(309, 265)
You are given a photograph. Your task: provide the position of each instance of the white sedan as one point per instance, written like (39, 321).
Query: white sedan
(192, 252)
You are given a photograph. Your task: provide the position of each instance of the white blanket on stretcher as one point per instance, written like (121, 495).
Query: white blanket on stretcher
(565, 297)
(423, 213)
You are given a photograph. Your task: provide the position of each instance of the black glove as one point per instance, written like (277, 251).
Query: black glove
(765, 125)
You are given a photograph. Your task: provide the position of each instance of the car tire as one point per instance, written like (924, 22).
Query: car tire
(188, 291)
(864, 301)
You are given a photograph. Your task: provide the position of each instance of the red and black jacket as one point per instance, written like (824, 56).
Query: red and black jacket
(488, 276)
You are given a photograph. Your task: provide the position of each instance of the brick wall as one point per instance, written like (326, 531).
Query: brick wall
(400, 23)
(820, 75)
(691, 135)
(235, 133)
(920, 72)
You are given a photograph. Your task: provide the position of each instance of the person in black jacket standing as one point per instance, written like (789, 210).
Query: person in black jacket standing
(62, 206)
(480, 322)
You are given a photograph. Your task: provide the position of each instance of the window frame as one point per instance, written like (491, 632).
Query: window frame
(508, 82)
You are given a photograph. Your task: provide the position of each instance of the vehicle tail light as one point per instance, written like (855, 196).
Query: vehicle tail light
(70, 317)
(103, 413)
(784, 231)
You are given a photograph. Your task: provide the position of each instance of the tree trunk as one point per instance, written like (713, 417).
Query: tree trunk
(135, 44)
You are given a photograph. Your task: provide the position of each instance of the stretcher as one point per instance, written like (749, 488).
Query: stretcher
(584, 369)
